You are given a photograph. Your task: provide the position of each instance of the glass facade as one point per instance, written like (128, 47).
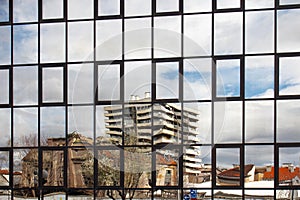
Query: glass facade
(149, 99)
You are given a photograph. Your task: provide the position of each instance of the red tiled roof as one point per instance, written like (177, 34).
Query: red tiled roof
(235, 172)
(284, 174)
(6, 172)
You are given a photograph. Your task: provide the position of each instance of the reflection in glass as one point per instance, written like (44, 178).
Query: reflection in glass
(108, 82)
(80, 119)
(138, 80)
(198, 117)
(223, 4)
(25, 44)
(109, 168)
(190, 6)
(111, 7)
(137, 7)
(288, 121)
(287, 40)
(78, 9)
(289, 73)
(259, 4)
(197, 32)
(289, 2)
(80, 41)
(167, 80)
(167, 6)
(109, 125)
(80, 83)
(52, 124)
(53, 9)
(259, 121)
(228, 122)
(4, 10)
(53, 84)
(25, 10)
(228, 78)
(259, 32)
(197, 79)
(4, 86)
(138, 38)
(108, 39)
(52, 42)
(5, 45)
(167, 167)
(228, 161)
(4, 164)
(25, 127)
(289, 166)
(259, 79)
(230, 194)
(25, 169)
(228, 30)
(5, 127)
(25, 85)
(53, 168)
(167, 36)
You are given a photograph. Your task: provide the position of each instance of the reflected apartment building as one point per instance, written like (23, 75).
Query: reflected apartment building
(164, 123)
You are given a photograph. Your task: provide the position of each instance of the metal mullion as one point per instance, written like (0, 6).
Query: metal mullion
(11, 160)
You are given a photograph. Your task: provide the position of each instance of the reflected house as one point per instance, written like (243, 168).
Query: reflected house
(164, 121)
(233, 176)
(288, 174)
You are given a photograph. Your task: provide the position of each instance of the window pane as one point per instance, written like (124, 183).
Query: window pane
(25, 44)
(109, 39)
(52, 124)
(167, 36)
(289, 2)
(111, 7)
(228, 159)
(78, 9)
(289, 73)
(138, 80)
(167, 80)
(223, 4)
(260, 32)
(5, 126)
(53, 42)
(53, 84)
(197, 6)
(197, 79)
(288, 166)
(53, 168)
(258, 4)
(287, 29)
(228, 78)
(80, 119)
(4, 164)
(5, 45)
(25, 127)
(228, 122)
(4, 10)
(167, 167)
(228, 33)
(4, 87)
(109, 168)
(109, 125)
(80, 83)
(53, 9)
(25, 10)
(259, 121)
(167, 5)
(137, 7)
(197, 35)
(109, 82)
(80, 41)
(288, 121)
(138, 38)
(259, 79)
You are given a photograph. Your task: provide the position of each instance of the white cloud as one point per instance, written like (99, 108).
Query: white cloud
(197, 6)
(25, 10)
(78, 9)
(53, 9)
(137, 7)
(5, 45)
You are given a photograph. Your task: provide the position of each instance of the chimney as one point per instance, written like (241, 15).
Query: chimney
(291, 168)
(269, 168)
(147, 95)
(137, 97)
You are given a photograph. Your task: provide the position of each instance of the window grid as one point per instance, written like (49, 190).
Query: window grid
(276, 144)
